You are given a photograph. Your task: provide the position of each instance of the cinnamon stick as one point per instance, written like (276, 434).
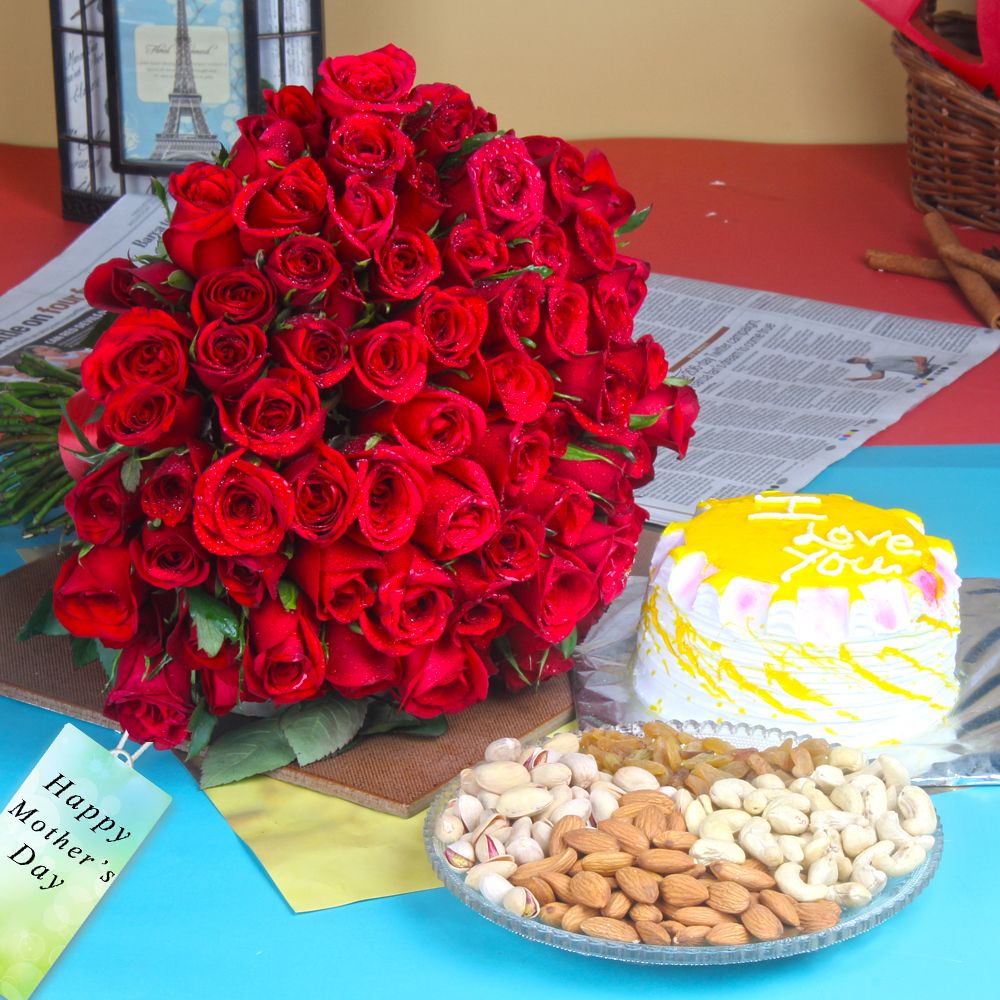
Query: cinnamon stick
(981, 264)
(974, 286)
(904, 263)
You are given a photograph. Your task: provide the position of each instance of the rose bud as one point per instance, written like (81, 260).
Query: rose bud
(248, 579)
(228, 357)
(235, 294)
(472, 253)
(169, 558)
(405, 264)
(515, 457)
(326, 495)
(523, 387)
(101, 508)
(167, 493)
(303, 269)
(151, 706)
(314, 347)
(513, 552)
(222, 689)
(151, 416)
(277, 417)
(567, 313)
(453, 320)
(95, 595)
(82, 409)
(391, 491)
(240, 508)
(563, 506)
(451, 119)
(559, 595)
(442, 677)
(118, 285)
(375, 81)
(461, 513)
(421, 202)
(390, 361)
(339, 578)
(266, 145)
(360, 220)
(367, 146)
(536, 660)
(355, 668)
(182, 645)
(516, 312)
(285, 662)
(592, 246)
(140, 346)
(609, 199)
(297, 105)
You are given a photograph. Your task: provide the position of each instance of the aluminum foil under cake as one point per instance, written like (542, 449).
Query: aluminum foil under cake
(965, 751)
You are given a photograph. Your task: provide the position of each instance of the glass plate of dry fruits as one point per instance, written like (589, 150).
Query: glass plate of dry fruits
(684, 843)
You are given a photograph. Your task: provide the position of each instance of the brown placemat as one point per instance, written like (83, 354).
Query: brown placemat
(393, 773)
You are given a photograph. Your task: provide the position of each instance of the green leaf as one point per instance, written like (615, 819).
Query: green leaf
(676, 380)
(468, 147)
(84, 651)
(634, 221)
(640, 421)
(372, 441)
(180, 279)
(385, 718)
(109, 661)
(568, 644)
(574, 453)
(201, 727)
(545, 272)
(42, 620)
(315, 729)
(161, 192)
(288, 594)
(214, 621)
(131, 472)
(250, 749)
(88, 448)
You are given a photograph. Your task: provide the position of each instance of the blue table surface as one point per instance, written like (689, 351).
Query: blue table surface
(196, 916)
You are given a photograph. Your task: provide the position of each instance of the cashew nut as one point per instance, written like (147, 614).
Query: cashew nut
(816, 847)
(916, 811)
(817, 798)
(848, 798)
(715, 828)
(893, 771)
(694, 816)
(756, 838)
(855, 838)
(727, 793)
(887, 827)
(789, 879)
(786, 819)
(873, 794)
(865, 872)
(847, 758)
(706, 850)
(827, 777)
(823, 871)
(791, 848)
(834, 819)
(849, 894)
(902, 860)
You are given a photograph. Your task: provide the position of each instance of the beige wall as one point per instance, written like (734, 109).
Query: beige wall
(772, 70)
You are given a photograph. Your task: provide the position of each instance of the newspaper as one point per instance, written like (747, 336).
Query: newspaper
(787, 385)
(47, 312)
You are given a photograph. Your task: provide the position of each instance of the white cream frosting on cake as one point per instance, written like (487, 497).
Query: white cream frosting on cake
(813, 613)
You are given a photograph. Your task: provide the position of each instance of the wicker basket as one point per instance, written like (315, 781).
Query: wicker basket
(953, 131)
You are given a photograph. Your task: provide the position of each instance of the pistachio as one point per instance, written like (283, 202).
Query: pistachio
(525, 800)
(521, 902)
(505, 866)
(499, 776)
(582, 766)
(631, 779)
(525, 849)
(563, 743)
(494, 887)
(505, 748)
(460, 856)
(448, 828)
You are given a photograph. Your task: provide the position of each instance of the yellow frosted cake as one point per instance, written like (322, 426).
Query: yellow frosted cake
(813, 613)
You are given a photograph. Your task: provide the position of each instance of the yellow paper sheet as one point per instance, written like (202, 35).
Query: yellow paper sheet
(321, 851)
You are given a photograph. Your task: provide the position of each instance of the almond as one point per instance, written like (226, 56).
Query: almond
(652, 821)
(692, 935)
(609, 928)
(540, 889)
(761, 922)
(676, 840)
(673, 927)
(629, 812)
(649, 798)
(589, 889)
(560, 885)
(818, 916)
(646, 912)
(696, 915)
(557, 863)
(682, 890)
(588, 841)
(728, 897)
(618, 906)
(552, 913)
(575, 916)
(782, 906)
(567, 823)
(642, 886)
(675, 821)
(664, 862)
(606, 862)
(743, 874)
(651, 932)
(728, 933)
(629, 838)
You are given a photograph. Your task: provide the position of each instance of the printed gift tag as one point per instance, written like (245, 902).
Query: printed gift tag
(64, 838)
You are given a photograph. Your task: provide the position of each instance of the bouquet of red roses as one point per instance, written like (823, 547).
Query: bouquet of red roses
(364, 435)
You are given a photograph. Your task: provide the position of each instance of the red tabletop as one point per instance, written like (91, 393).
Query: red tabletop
(792, 219)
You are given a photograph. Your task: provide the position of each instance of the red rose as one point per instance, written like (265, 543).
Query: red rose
(182, 645)
(390, 361)
(522, 386)
(151, 416)
(601, 477)
(339, 579)
(202, 235)
(286, 662)
(375, 81)
(445, 676)
(222, 689)
(517, 311)
(360, 220)
(592, 245)
(247, 579)
(292, 200)
(95, 595)
(276, 417)
(563, 506)
(515, 457)
(536, 660)
(297, 105)
(355, 668)
(480, 603)
(608, 198)
(564, 331)
(152, 707)
(118, 285)
(451, 119)
(501, 187)
(345, 303)
(559, 595)
(473, 252)
(326, 495)
(303, 269)
(83, 410)
(241, 509)
(367, 146)
(611, 307)
(461, 512)
(101, 508)
(562, 166)
(513, 552)
(314, 347)
(169, 558)
(548, 248)
(405, 264)
(607, 551)
(391, 492)
(228, 357)
(168, 492)
(412, 605)
(454, 321)
(678, 407)
(266, 145)
(442, 424)
(421, 202)
(235, 294)
(141, 346)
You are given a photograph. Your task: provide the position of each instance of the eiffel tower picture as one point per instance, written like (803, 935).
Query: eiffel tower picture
(196, 141)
